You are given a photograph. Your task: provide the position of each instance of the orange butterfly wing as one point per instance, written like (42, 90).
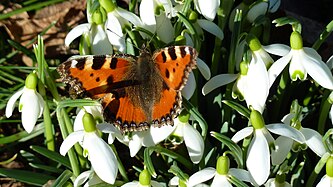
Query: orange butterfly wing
(174, 64)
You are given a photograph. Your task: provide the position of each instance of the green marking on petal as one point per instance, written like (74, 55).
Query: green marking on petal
(144, 178)
(222, 165)
(31, 81)
(89, 123)
(182, 183)
(329, 166)
(296, 41)
(244, 67)
(297, 74)
(97, 17)
(20, 107)
(253, 42)
(257, 120)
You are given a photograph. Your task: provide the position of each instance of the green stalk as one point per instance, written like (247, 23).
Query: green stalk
(323, 36)
(121, 167)
(323, 112)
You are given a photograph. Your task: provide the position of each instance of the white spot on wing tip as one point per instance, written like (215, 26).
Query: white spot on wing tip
(73, 64)
(187, 50)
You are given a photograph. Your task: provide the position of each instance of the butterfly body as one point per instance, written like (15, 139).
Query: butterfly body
(135, 92)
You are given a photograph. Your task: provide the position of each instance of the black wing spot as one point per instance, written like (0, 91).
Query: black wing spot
(113, 63)
(98, 79)
(172, 53)
(163, 56)
(80, 63)
(109, 80)
(98, 63)
(167, 73)
(91, 74)
(174, 70)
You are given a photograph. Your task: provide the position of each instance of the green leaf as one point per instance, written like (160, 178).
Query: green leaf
(23, 135)
(52, 169)
(234, 148)
(63, 178)
(22, 48)
(52, 155)
(38, 179)
(236, 181)
(197, 116)
(148, 162)
(238, 107)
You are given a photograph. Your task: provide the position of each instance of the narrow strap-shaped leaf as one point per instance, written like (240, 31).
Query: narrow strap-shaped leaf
(29, 177)
(51, 155)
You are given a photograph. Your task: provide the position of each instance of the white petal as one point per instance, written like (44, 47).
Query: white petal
(257, 85)
(314, 140)
(82, 178)
(78, 124)
(201, 176)
(157, 134)
(325, 181)
(131, 17)
(101, 156)
(165, 30)
(258, 159)
(319, 71)
(70, 140)
(207, 8)
(277, 67)
(115, 33)
(194, 143)
(217, 81)
(174, 181)
(287, 131)
(131, 184)
(135, 143)
(100, 41)
(277, 49)
(240, 174)
(287, 118)
(282, 148)
(156, 184)
(30, 109)
(147, 14)
(11, 102)
(297, 66)
(189, 87)
(274, 5)
(247, 131)
(41, 103)
(259, 8)
(211, 27)
(220, 180)
(203, 68)
(312, 53)
(76, 32)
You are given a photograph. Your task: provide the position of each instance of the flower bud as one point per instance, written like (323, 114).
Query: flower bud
(257, 120)
(296, 41)
(222, 165)
(253, 42)
(144, 178)
(89, 123)
(31, 81)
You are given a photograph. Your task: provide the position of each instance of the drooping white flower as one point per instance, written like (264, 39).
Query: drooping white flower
(31, 103)
(88, 178)
(258, 155)
(95, 111)
(283, 145)
(302, 61)
(220, 175)
(102, 158)
(192, 138)
(279, 181)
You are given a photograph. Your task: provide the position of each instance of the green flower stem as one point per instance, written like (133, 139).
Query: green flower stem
(323, 112)
(231, 62)
(121, 168)
(61, 113)
(222, 20)
(323, 36)
(132, 5)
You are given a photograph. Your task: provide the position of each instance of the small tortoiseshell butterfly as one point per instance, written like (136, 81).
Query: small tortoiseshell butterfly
(135, 91)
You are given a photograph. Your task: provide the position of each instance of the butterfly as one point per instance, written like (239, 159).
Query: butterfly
(135, 91)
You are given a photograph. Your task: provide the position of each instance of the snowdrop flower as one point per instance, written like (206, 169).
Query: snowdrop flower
(279, 181)
(327, 180)
(258, 51)
(116, 23)
(302, 61)
(258, 155)
(283, 145)
(207, 8)
(88, 178)
(94, 33)
(144, 181)
(192, 138)
(102, 158)
(220, 175)
(31, 103)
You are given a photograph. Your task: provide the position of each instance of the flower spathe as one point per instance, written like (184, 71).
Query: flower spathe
(303, 61)
(100, 154)
(31, 103)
